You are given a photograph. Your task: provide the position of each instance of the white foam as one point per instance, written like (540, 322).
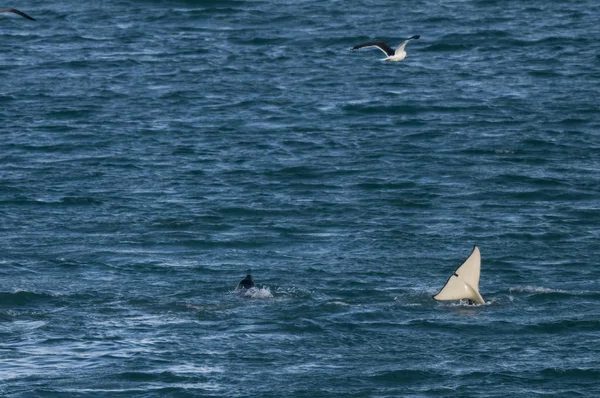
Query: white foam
(466, 303)
(337, 302)
(195, 369)
(540, 289)
(535, 289)
(256, 293)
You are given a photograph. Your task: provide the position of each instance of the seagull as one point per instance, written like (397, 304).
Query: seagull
(14, 11)
(393, 56)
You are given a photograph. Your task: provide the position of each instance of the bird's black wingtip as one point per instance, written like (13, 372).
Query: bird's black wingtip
(15, 11)
(414, 37)
(25, 16)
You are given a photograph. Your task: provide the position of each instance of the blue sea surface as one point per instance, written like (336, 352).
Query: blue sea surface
(152, 153)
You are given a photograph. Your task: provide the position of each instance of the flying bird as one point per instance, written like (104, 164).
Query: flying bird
(393, 56)
(14, 11)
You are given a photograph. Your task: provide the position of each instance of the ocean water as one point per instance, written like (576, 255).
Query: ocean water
(153, 153)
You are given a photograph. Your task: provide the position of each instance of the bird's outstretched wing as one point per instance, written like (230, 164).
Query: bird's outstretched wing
(400, 48)
(15, 11)
(379, 44)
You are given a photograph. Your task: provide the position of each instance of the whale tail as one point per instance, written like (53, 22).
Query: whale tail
(464, 283)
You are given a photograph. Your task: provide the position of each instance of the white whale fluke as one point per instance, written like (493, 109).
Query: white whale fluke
(464, 283)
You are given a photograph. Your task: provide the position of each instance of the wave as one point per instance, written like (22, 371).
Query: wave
(66, 200)
(21, 297)
(159, 376)
(407, 376)
(561, 327)
(575, 373)
(406, 109)
(546, 290)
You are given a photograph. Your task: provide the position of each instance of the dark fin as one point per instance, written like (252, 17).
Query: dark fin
(246, 283)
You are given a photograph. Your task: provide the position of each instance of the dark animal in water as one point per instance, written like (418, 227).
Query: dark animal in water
(246, 283)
